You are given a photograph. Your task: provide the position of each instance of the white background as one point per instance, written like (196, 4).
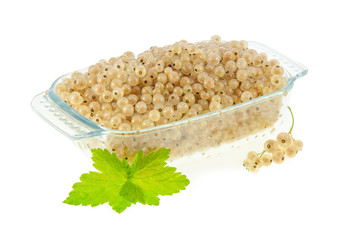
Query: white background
(313, 196)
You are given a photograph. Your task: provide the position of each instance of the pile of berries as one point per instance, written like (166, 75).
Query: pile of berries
(170, 83)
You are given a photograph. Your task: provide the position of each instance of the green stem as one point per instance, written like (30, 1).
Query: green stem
(291, 129)
(261, 154)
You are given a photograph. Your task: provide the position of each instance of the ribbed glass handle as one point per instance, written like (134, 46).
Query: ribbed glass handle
(44, 107)
(293, 68)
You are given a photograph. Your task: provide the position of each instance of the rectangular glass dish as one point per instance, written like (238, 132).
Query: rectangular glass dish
(203, 134)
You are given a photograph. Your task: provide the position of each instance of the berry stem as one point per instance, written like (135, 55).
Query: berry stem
(261, 153)
(291, 129)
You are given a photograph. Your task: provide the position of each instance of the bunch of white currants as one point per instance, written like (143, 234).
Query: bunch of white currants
(274, 150)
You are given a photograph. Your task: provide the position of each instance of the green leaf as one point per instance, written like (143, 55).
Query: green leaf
(150, 160)
(122, 185)
(132, 193)
(95, 189)
(106, 162)
(119, 204)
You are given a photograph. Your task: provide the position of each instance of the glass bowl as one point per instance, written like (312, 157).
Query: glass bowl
(203, 135)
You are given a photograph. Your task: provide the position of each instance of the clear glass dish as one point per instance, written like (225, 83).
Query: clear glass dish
(204, 134)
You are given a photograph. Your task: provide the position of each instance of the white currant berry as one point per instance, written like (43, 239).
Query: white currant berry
(284, 139)
(253, 168)
(252, 155)
(258, 161)
(271, 146)
(291, 151)
(247, 163)
(267, 159)
(278, 156)
(298, 145)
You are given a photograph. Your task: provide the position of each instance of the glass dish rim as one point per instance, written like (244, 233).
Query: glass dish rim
(100, 130)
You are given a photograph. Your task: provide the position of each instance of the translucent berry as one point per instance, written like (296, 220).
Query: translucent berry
(154, 115)
(61, 87)
(278, 156)
(258, 161)
(271, 146)
(247, 163)
(284, 139)
(291, 151)
(246, 96)
(267, 159)
(278, 80)
(75, 98)
(253, 168)
(298, 145)
(128, 110)
(140, 71)
(252, 155)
